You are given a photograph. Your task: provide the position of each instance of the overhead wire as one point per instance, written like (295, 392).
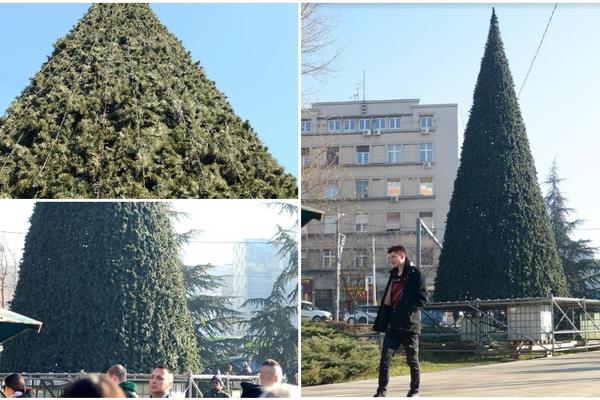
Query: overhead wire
(538, 50)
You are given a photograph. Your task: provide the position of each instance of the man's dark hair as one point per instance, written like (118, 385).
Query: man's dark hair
(270, 362)
(93, 386)
(162, 366)
(396, 248)
(16, 382)
(118, 371)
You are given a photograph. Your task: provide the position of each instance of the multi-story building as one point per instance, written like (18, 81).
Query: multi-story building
(374, 167)
(255, 268)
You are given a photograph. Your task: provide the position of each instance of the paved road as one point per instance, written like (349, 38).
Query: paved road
(571, 375)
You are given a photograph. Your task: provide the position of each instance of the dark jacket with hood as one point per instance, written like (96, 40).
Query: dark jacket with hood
(250, 389)
(405, 315)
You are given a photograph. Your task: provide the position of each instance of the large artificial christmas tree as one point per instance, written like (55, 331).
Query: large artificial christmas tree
(120, 110)
(498, 242)
(105, 280)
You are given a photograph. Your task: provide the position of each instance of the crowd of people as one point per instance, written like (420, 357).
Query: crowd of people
(114, 384)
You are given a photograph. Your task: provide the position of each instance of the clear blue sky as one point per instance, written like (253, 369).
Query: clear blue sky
(433, 52)
(249, 50)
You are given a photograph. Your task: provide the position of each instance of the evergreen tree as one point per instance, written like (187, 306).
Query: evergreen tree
(498, 242)
(581, 269)
(271, 331)
(119, 110)
(213, 318)
(105, 280)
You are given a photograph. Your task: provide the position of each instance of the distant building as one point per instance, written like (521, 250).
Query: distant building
(256, 266)
(376, 166)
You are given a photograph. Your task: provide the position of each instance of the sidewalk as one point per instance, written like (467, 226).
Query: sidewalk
(570, 375)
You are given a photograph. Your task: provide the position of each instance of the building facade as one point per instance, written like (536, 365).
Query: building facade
(373, 167)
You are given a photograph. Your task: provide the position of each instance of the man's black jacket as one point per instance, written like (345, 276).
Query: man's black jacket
(405, 315)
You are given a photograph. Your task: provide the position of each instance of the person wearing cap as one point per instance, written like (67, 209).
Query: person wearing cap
(216, 388)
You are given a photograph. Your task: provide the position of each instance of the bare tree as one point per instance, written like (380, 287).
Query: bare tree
(319, 53)
(8, 274)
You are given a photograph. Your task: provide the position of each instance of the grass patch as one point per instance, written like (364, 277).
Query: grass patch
(331, 356)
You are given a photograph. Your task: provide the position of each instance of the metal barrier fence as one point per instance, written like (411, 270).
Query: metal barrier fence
(190, 385)
(540, 324)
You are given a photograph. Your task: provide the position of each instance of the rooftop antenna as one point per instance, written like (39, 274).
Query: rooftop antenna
(364, 86)
(355, 95)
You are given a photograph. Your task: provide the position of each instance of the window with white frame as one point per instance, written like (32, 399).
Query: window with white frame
(393, 221)
(362, 188)
(364, 124)
(333, 155)
(349, 125)
(305, 156)
(426, 121)
(394, 188)
(334, 125)
(362, 154)
(360, 258)
(394, 122)
(329, 224)
(303, 258)
(328, 258)
(378, 123)
(393, 153)
(332, 189)
(426, 152)
(426, 186)
(306, 125)
(362, 222)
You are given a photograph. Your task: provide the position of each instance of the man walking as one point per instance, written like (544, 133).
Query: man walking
(399, 317)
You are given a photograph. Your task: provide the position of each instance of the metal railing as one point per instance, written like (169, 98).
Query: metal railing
(46, 385)
(541, 324)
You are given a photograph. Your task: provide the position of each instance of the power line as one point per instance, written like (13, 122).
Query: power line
(538, 50)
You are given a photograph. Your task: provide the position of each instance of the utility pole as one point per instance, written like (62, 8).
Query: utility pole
(418, 250)
(374, 292)
(340, 247)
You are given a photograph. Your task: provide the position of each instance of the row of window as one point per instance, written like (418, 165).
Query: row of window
(393, 222)
(394, 188)
(362, 153)
(361, 124)
(362, 258)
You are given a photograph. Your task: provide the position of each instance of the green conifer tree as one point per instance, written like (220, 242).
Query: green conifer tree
(582, 270)
(498, 242)
(120, 110)
(105, 280)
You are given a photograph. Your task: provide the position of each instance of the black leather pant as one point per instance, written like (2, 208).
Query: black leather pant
(391, 344)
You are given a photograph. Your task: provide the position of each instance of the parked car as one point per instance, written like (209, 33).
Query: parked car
(362, 315)
(310, 312)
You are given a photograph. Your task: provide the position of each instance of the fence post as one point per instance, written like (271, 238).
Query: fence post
(551, 296)
(586, 324)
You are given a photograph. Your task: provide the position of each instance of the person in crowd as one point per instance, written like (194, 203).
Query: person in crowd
(14, 386)
(118, 374)
(161, 382)
(270, 373)
(247, 370)
(216, 388)
(93, 386)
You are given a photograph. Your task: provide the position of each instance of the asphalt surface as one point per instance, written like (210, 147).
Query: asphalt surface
(569, 375)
